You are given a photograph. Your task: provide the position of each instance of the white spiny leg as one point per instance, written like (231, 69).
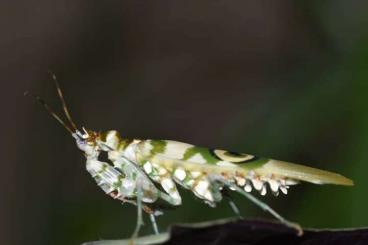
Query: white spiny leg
(161, 176)
(154, 224)
(266, 208)
(131, 169)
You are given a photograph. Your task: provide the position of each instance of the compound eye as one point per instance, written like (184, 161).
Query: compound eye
(81, 144)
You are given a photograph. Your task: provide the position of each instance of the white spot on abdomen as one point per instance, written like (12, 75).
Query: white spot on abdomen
(167, 184)
(180, 174)
(147, 167)
(162, 171)
(225, 164)
(201, 187)
(176, 150)
(197, 158)
(195, 174)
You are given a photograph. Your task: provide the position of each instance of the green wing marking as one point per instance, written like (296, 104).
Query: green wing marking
(204, 152)
(158, 146)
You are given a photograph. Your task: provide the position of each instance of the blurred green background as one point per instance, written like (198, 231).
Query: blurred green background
(286, 80)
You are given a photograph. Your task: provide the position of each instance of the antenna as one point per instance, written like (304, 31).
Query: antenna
(49, 109)
(61, 96)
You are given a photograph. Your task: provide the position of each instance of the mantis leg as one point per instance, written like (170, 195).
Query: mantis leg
(234, 207)
(232, 204)
(266, 208)
(154, 224)
(139, 211)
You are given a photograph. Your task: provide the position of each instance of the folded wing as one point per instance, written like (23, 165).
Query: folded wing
(173, 154)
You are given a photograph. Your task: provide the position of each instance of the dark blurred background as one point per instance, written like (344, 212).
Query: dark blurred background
(284, 79)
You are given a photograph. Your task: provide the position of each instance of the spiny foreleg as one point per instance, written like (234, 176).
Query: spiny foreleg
(125, 184)
(162, 176)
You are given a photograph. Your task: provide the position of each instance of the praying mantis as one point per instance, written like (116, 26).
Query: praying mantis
(144, 172)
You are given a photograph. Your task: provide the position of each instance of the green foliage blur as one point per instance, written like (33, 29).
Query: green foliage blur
(282, 80)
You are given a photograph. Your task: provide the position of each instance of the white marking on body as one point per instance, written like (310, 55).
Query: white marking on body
(251, 174)
(112, 140)
(274, 185)
(208, 196)
(147, 167)
(264, 190)
(197, 158)
(167, 184)
(257, 183)
(180, 174)
(93, 166)
(201, 187)
(227, 156)
(240, 181)
(248, 187)
(130, 151)
(147, 146)
(176, 196)
(176, 150)
(148, 199)
(114, 155)
(284, 189)
(195, 174)
(162, 171)
(225, 164)
(127, 187)
(291, 182)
